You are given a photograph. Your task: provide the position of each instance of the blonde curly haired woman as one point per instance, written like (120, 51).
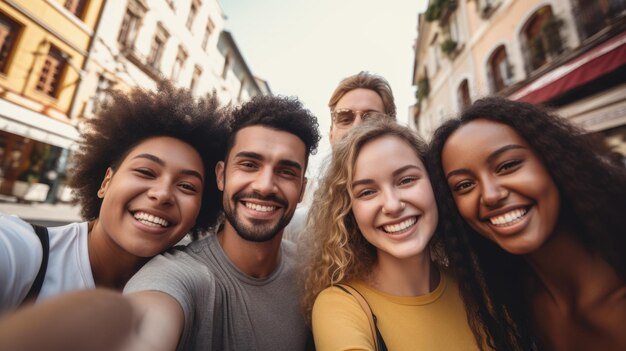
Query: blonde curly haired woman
(371, 228)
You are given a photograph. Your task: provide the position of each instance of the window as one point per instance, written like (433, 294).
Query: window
(193, 11)
(51, 72)
(179, 63)
(209, 29)
(9, 30)
(463, 95)
(541, 35)
(226, 66)
(130, 24)
(158, 45)
(499, 69)
(76, 7)
(592, 16)
(197, 73)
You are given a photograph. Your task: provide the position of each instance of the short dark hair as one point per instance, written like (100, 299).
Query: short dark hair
(277, 112)
(138, 115)
(592, 189)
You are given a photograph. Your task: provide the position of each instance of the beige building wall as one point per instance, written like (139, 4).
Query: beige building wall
(483, 27)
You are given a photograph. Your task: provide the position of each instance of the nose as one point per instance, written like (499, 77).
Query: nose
(161, 192)
(358, 118)
(264, 182)
(493, 193)
(392, 204)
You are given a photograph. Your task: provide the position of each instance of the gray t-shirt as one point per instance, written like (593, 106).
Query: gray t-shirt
(224, 308)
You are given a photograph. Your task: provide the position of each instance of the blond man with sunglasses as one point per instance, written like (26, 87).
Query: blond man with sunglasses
(357, 98)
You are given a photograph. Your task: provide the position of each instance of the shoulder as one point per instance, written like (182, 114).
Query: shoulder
(333, 302)
(20, 259)
(339, 322)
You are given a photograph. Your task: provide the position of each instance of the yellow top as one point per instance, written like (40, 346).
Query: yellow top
(435, 321)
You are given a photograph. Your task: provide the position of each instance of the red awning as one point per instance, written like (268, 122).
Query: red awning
(596, 62)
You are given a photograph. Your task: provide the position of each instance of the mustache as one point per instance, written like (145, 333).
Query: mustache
(271, 197)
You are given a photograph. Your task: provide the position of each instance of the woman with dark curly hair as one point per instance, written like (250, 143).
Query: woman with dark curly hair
(372, 228)
(534, 211)
(143, 174)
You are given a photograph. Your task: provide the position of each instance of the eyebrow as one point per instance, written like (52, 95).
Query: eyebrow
(394, 174)
(259, 157)
(160, 162)
(490, 158)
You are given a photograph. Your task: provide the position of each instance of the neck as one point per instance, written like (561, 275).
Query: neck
(413, 276)
(570, 273)
(256, 259)
(111, 265)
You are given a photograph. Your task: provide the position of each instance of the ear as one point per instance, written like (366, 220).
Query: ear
(219, 175)
(303, 189)
(105, 183)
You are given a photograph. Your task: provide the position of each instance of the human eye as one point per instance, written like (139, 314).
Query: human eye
(462, 186)
(408, 180)
(248, 165)
(188, 187)
(508, 166)
(344, 117)
(144, 172)
(365, 193)
(287, 172)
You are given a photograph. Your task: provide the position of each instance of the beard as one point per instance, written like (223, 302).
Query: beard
(257, 230)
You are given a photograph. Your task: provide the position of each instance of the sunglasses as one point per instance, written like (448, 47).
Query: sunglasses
(344, 117)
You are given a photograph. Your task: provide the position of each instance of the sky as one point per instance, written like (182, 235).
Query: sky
(304, 48)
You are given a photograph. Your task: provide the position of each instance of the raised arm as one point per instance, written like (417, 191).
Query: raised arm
(95, 320)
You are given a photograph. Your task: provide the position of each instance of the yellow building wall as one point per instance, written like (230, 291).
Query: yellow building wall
(45, 25)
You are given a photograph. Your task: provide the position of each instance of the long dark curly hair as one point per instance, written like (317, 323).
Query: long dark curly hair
(133, 117)
(592, 187)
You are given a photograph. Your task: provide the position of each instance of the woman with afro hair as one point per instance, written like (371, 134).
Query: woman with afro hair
(144, 177)
(533, 209)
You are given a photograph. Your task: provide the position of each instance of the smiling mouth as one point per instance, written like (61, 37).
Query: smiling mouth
(150, 220)
(508, 218)
(399, 227)
(259, 208)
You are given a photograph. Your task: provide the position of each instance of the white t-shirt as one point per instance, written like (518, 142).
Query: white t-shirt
(21, 255)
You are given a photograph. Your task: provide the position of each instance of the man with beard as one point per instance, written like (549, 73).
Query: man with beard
(234, 289)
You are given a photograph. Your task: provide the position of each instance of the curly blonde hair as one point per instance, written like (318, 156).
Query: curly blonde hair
(336, 250)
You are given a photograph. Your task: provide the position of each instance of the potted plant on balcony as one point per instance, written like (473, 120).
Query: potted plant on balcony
(448, 47)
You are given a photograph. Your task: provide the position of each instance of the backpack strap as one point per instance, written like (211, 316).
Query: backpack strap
(42, 234)
(378, 338)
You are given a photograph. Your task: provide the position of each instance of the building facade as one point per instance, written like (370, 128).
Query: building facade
(43, 50)
(569, 55)
(59, 59)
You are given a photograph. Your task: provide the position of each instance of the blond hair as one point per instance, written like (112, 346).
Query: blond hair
(365, 80)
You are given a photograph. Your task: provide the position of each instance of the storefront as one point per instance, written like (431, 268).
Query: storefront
(34, 153)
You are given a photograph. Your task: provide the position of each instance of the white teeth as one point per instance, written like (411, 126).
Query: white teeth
(508, 218)
(260, 208)
(150, 220)
(394, 228)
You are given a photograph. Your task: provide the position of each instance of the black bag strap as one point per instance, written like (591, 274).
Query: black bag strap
(42, 234)
(373, 321)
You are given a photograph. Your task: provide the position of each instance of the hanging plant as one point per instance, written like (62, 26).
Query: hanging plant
(423, 89)
(448, 47)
